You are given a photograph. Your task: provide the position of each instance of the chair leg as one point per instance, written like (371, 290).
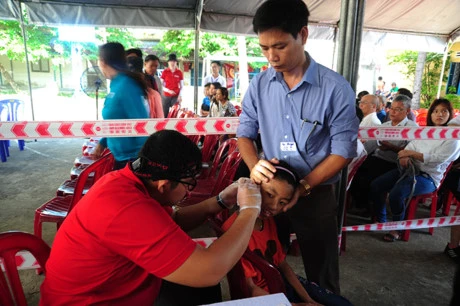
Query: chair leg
(434, 202)
(3, 150)
(448, 203)
(37, 225)
(410, 214)
(21, 144)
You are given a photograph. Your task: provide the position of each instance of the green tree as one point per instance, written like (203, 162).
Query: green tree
(183, 44)
(431, 72)
(43, 43)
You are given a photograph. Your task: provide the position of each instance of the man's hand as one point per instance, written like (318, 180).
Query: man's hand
(406, 153)
(404, 162)
(385, 146)
(263, 171)
(295, 197)
(228, 195)
(179, 99)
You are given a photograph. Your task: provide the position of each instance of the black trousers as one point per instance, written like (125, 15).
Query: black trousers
(372, 168)
(172, 294)
(314, 220)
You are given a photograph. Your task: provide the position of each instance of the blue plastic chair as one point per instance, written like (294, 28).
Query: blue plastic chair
(11, 107)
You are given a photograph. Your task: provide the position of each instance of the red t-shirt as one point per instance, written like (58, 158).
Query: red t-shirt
(172, 81)
(114, 247)
(266, 244)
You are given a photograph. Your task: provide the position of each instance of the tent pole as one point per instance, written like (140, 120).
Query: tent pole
(342, 26)
(357, 45)
(23, 28)
(444, 60)
(196, 54)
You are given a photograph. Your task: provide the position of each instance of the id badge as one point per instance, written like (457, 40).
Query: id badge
(288, 146)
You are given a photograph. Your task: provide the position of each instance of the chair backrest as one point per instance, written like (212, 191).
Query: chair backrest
(100, 167)
(227, 172)
(11, 292)
(173, 111)
(223, 151)
(12, 105)
(354, 169)
(209, 144)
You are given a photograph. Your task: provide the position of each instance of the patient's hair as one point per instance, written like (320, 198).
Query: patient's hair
(284, 172)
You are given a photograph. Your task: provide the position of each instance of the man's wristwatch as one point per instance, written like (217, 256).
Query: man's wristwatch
(306, 186)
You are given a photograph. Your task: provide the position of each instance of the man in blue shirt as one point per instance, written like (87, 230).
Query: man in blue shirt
(306, 116)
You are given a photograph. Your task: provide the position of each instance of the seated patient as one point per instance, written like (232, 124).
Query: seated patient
(264, 242)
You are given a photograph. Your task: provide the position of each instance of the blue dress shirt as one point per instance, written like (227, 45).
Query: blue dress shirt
(318, 115)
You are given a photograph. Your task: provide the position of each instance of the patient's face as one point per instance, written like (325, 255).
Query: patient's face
(275, 195)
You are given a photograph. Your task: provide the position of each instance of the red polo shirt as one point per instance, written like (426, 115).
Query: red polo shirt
(172, 81)
(114, 247)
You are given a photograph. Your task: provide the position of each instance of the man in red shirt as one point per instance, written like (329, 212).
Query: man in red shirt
(173, 83)
(123, 237)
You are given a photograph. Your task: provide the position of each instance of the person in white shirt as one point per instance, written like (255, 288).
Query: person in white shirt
(368, 105)
(215, 75)
(428, 160)
(384, 158)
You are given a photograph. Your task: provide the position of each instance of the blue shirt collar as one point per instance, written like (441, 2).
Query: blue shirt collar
(310, 76)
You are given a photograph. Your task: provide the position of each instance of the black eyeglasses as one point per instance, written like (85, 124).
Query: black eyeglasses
(189, 185)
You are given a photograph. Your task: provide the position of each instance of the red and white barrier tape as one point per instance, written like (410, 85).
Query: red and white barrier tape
(115, 128)
(187, 126)
(409, 133)
(25, 260)
(405, 225)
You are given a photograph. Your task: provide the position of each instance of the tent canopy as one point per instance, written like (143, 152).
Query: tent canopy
(425, 17)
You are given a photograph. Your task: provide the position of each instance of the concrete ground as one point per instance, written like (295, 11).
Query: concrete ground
(372, 272)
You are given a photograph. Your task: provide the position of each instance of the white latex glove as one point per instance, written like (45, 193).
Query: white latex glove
(248, 194)
(228, 195)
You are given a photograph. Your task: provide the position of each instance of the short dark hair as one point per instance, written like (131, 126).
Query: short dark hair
(406, 92)
(218, 63)
(207, 85)
(433, 105)
(151, 57)
(362, 94)
(136, 51)
(289, 16)
(216, 85)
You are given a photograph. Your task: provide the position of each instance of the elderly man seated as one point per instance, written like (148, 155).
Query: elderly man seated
(384, 157)
(369, 105)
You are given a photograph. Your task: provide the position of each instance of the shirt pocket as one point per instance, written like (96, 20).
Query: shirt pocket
(310, 139)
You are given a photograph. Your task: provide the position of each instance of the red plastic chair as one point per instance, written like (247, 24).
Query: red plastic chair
(236, 277)
(209, 146)
(11, 292)
(421, 119)
(410, 213)
(351, 175)
(209, 188)
(451, 200)
(173, 111)
(224, 149)
(57, 209)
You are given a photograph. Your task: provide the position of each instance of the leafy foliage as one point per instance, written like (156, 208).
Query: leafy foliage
(431, 72)
(183, 44)
(43, 42)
